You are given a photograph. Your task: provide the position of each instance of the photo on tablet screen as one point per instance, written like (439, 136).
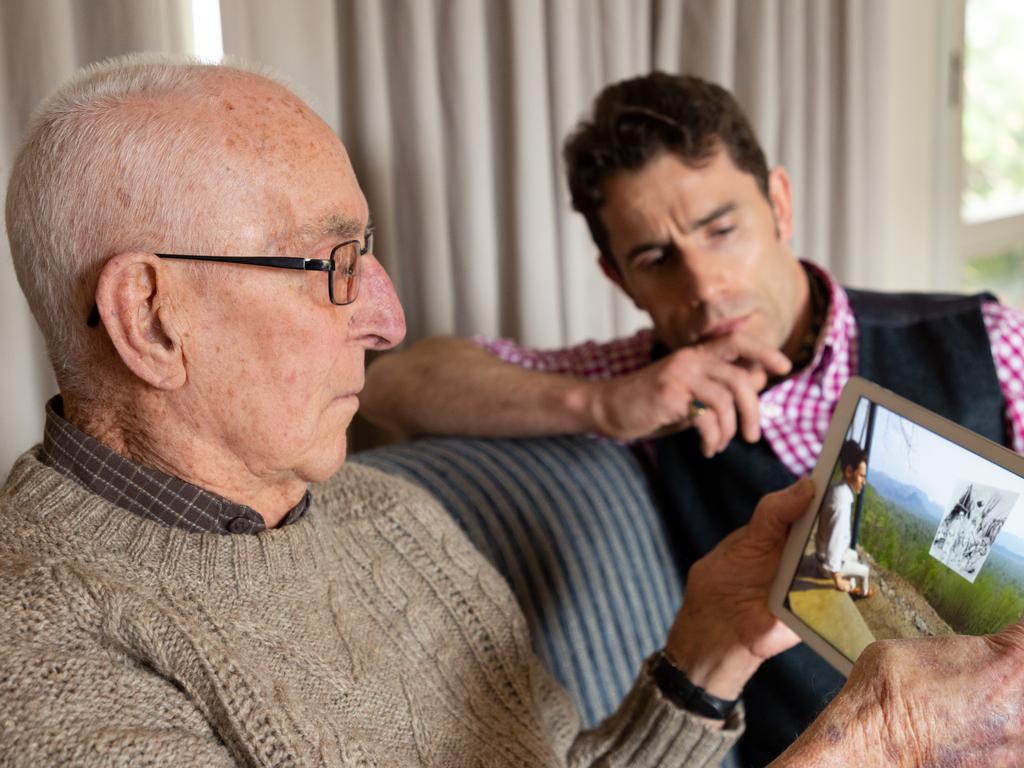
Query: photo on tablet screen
(915, 536)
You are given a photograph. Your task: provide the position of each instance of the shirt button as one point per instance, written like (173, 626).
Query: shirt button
(239, 525)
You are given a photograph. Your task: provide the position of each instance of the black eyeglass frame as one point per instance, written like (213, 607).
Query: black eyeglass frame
(328, 265)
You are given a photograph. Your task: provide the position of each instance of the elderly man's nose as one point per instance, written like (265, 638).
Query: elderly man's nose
(378, 320)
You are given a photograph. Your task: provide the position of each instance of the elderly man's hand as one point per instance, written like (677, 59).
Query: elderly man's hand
(725, 375)
(725, 630)
(940, 701)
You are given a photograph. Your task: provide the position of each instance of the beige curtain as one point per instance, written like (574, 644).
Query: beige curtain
(454, 112)
(41, 43)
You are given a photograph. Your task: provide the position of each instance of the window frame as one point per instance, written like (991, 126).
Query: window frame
(961, 241)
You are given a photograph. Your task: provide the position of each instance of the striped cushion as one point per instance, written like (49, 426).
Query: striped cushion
(570, 523)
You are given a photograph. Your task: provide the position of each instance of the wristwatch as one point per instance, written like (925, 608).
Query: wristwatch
(678, 689)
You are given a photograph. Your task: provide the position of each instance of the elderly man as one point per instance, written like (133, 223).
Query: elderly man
(746, 342)
(174, 591)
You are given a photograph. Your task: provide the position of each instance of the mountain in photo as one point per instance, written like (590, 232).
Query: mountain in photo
(906, 496)
(1013, 545)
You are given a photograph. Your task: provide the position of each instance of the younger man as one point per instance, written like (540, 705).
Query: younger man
(692, 224)
(832, 540)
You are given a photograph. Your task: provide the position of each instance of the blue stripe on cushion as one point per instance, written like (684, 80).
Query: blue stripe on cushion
(639, 532)
(535, 565)
(660, 596)
(591, 557)
(570, 524)
(622, 533)
(610, 533)
(588, 568)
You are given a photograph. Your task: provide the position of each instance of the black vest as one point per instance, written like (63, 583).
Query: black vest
(931, 349)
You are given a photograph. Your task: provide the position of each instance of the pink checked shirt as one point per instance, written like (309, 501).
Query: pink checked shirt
(795, 413)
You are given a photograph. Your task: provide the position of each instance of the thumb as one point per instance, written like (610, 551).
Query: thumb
(777, 510)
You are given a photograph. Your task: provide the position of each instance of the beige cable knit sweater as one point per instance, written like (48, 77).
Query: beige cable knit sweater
(369, 633)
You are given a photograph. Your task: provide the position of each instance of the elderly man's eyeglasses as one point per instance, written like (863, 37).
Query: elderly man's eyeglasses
(342, 269)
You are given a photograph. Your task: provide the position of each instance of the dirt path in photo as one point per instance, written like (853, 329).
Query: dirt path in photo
(898, 610)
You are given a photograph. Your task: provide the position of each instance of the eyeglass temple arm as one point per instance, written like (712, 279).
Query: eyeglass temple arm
(281, 262)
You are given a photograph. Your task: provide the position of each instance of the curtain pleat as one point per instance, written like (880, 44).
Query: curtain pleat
(757, 62)
(530, 243)
(470, 148)
(422, 166)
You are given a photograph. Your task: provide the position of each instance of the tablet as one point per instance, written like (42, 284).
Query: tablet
(916, 529)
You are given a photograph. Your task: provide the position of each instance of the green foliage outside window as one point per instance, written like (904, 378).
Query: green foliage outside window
(1001, 273)
(993, 115)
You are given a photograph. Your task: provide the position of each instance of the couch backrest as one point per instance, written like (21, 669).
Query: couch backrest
(570, 523)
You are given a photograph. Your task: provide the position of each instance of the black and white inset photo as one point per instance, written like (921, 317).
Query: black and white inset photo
(969, 528)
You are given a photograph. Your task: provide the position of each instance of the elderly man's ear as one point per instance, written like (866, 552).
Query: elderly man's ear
(133, 295)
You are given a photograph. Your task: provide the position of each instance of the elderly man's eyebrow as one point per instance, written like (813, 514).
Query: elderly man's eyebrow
(342, 226)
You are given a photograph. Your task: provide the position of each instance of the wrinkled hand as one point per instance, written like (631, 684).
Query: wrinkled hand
(725, 630)
(938, 701)
(725, 374)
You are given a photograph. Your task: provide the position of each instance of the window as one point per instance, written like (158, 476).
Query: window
(207, 40)
(990, 236)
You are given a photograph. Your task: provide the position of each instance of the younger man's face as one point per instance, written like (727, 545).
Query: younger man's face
(703, 252)
(856, 476)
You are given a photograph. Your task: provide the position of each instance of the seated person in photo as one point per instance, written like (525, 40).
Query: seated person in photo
(832, 541)
(190, 577)
(735, 382)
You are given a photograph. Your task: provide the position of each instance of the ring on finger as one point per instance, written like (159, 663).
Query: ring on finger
(697, 408)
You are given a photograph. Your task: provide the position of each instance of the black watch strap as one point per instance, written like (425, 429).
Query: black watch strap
(678, 689)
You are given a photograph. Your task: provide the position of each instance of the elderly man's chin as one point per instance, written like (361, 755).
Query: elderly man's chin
(317, 450)
(332, 449)
(326, 463)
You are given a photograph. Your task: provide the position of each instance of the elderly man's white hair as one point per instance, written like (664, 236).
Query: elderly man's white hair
(94, 177)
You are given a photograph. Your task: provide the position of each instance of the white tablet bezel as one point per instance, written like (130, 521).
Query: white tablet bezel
(854, 390)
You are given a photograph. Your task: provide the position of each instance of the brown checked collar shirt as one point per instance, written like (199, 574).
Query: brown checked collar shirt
(145, 491)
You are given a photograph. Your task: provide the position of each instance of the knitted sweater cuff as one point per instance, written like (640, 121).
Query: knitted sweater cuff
(651, 730)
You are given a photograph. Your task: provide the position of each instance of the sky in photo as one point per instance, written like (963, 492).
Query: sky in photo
(913, 455)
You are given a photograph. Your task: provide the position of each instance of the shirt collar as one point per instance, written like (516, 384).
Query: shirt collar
(833, 344)
(145, 491)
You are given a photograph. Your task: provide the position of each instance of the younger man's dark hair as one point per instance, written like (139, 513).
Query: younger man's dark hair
(851, 455)
(635, 120)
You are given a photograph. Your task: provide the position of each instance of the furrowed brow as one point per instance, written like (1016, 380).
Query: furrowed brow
(721, 210)
(703, 221)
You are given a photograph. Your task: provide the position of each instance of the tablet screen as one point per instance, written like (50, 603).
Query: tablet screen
(915, 536)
